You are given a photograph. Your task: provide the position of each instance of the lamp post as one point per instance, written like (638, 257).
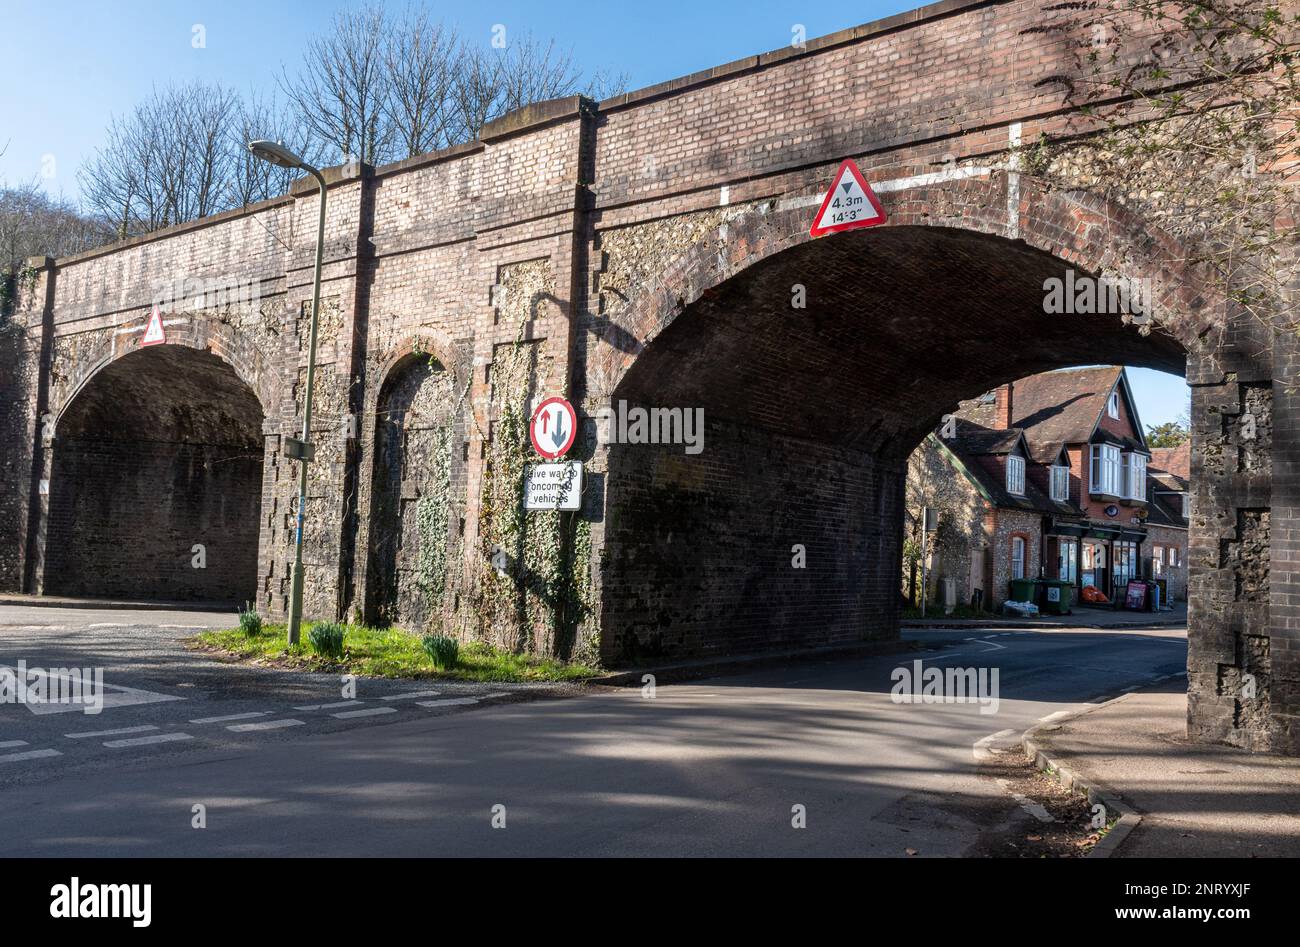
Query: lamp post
(302, 450)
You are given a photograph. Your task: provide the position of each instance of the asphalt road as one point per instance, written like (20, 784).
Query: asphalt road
(713, 767)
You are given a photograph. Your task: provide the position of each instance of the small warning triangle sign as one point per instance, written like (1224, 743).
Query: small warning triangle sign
(153, 332)
(849, 204)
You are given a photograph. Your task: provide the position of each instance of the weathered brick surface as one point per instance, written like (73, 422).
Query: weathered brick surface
(647, 247)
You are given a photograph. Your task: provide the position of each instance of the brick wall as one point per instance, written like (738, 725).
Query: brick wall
(125, 517)
(699, 550)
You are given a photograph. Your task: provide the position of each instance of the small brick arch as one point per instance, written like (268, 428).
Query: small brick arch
(1083, 229)
(426, 341)
(207, 335)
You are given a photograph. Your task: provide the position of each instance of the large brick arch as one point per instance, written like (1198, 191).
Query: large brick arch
(1084, 230)
(207, 335)
(697, 551)
(163, 448)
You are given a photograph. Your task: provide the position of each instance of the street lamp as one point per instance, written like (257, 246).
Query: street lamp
(302, 450)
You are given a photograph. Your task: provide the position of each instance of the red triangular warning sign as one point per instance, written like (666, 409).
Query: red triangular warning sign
(153, 332)
(849, 204)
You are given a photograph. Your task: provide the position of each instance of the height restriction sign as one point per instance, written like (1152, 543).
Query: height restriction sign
(553, 428)
(849, 204)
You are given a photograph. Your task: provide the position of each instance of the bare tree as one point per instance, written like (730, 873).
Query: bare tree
(251, 179)
(421, 59)
(1191, 110)
(342, 92)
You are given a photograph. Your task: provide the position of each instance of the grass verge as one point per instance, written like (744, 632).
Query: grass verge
(387, 652)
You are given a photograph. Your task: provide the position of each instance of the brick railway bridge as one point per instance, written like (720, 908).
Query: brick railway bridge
(646, 249)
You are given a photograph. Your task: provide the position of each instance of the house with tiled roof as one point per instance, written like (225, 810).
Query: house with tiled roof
(1051, 477)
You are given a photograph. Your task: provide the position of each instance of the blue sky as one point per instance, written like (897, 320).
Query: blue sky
(67, 67)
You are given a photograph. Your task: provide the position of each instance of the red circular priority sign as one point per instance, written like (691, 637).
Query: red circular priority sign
(553, 428)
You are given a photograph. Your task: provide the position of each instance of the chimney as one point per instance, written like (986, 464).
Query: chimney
(1002, 405)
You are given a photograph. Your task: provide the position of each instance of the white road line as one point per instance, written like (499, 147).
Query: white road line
(368, 712)
(146, 741)
(247, 716)
(265, 725)
(341, 703)
(981, 746)
(1033, 808)
(410, 696)
(1056, 716)
(29, 755)
(109, 733)
(448, 702)
(10, 744)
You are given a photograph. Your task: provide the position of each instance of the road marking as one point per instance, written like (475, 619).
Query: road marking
(29, 755)
(112, 695)
(265, 725)
(255, 713)
(109, 733)
(368, 712)
(1033, 808)
(145, 741)
(410, 696)
(10, 744)
(981, 746)
(341, 703)
(448, 702)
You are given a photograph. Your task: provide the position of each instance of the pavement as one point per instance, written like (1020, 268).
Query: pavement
(1194, 799)
(722, 766)
(1080, 617)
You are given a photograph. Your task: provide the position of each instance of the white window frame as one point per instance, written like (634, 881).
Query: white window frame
(1018, 562)
(1158, 560)
(1173, 557)
(1060, 483)
(1133, 476)
(1112, 405)
(1187, 505)
(1015, 475)
(1104, 470)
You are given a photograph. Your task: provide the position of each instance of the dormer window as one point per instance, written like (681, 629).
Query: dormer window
(1016, 476)
(1060, 483)
(1112, 405)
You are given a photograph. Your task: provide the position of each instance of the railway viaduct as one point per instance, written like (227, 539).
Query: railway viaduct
(647, 249)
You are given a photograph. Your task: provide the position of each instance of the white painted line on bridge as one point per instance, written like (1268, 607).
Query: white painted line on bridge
(29, 755)
(265, 725)
(448, 702)
(109, 733)
(228, 717)
(368, 712)
(10, 744)
(411, 696)
(341, 703)
(146, 741)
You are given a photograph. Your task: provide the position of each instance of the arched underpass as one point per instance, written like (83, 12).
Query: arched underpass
(160, 452)
(810, 415)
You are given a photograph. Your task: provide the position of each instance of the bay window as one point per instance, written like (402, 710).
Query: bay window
(1134, 477)
(1104, 476)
